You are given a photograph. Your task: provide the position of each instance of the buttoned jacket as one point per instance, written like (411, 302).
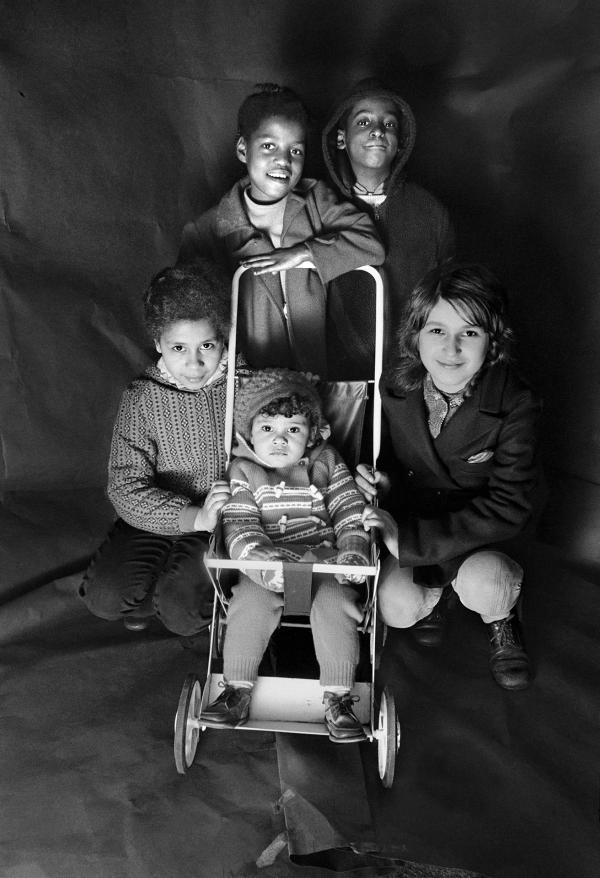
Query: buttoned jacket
(469, 487)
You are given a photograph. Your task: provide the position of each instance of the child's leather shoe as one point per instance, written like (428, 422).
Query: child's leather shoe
(342, 723)
(509, 663)
(231, 708)
(429, 631)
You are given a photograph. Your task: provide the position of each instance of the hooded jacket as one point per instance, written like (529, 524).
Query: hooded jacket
(413, 225)
(339, 237)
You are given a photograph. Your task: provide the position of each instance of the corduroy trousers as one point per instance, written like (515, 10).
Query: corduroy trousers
(138, 573)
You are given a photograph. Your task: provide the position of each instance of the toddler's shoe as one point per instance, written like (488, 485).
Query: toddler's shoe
(231, 708)
(509, 663)
(342, 723)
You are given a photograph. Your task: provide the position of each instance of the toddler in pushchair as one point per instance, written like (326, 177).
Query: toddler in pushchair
(293, 532)
(293, 499)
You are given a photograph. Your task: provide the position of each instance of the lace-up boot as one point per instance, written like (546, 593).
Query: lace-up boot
(429, 631)
(343, 724)
(509, 663)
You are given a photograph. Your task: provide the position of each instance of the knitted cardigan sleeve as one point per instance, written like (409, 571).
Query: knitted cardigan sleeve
(242, 525)
(132, 487)
(345, 505)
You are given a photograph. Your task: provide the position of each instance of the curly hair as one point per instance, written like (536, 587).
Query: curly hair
(476, 293)
(291, 405)
(188, 292)
(270, 100)
(276, 391)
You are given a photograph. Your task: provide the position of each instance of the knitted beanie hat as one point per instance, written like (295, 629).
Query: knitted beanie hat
(267, 385)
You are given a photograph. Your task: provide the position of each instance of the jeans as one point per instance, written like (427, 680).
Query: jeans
(138, 573)
(487, 582)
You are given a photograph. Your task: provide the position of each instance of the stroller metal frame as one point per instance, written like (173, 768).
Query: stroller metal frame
(276, 705)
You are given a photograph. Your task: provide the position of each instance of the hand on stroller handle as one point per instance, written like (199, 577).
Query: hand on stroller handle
(279, 259)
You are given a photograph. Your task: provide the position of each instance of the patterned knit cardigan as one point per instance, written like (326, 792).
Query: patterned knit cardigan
(314, 503)
(167, 449)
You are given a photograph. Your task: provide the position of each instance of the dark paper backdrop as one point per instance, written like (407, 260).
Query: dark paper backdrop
(119, 123)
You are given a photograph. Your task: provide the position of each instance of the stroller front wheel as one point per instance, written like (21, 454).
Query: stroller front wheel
(388, 737)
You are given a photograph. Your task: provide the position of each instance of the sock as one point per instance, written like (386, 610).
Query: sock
(240, 684)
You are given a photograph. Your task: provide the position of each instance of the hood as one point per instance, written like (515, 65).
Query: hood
(336, 160)
(243, 449)
(153, 373)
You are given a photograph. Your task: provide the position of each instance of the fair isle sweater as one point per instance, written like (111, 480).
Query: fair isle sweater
(314, 503)
(167, 450)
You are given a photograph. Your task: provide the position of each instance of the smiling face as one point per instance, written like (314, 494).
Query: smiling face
(191, 350)
(370, 137)
(280, 441)
(274, 155)
(451, 348)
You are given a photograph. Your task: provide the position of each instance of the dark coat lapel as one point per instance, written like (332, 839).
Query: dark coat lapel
(408, 420)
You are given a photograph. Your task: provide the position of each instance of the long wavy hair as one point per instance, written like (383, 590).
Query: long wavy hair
(476, 293)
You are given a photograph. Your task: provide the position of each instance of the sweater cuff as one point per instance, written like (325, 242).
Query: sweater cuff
(354, 544)
(187, 517)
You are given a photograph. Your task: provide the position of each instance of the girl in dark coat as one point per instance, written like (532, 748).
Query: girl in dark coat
(461, 461)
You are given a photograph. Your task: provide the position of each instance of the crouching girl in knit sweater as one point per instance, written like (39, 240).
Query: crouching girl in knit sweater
(167, 461)
(292, 498)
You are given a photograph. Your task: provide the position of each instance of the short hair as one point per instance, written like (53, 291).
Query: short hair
(200, 291)
(270, 100)
(476, 293)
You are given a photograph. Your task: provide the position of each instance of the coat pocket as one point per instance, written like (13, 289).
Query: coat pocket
(481, 456)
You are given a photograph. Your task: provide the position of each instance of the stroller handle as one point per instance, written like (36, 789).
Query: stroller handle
(231, 354)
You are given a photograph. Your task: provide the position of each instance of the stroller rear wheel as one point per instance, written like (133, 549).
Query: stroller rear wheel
(186, 725)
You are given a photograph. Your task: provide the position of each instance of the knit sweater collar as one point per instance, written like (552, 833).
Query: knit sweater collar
(166, 376)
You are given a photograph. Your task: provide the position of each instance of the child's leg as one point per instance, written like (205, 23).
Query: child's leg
(335, 614)
(122, 575)
(253, 615)
(489, 583)
(184, 593)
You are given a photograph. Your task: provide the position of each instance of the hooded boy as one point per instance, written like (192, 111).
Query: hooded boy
(366, 145)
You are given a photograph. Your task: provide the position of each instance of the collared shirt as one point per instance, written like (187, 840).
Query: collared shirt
(440, 406)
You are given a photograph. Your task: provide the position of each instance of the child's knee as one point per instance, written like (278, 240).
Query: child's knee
(334, 601)
(487, 580)
(103, 599)
(400, 601)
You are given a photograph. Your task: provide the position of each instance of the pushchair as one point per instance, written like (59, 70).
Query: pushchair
(292, 703)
